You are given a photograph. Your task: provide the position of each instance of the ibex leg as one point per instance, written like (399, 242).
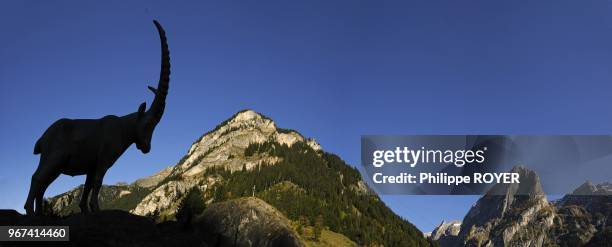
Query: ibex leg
(85, 193)
(44, 184)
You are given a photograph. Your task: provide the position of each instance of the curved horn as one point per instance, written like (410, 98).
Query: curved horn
(159, 103)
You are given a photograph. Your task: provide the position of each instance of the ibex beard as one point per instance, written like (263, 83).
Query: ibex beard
(91, 146)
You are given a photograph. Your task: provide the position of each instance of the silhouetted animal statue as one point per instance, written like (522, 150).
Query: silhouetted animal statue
(91, 146)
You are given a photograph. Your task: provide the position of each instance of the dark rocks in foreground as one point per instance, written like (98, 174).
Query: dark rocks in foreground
(240, 222)
(104, 228)
(246, 222)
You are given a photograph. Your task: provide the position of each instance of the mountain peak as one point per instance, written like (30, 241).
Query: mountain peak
(225, 144)
(589, 189)
(446, 233)
(247, 115)
(529, 184)
(501, 205)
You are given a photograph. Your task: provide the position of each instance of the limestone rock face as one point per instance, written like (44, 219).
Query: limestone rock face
(162, 198)
(594, 198)
(584, 215)
(225, 145)
(111, 196)
(590, 189)
(61, 202)
(446, 233)
(155, 179)
(509, 215)
(246, 222)
(520, 215)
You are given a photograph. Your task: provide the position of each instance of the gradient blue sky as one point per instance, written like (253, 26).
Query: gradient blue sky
(333, 70)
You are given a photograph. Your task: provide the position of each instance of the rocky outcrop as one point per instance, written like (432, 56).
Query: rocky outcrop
(446, 233)
(573, 226)
(590, 189)
(584, 216)
(163, 197)
(224, 146)
(509, 215)
(120, 196)
(594, 198)
(246, 222)
(520, 215)
(155, 179)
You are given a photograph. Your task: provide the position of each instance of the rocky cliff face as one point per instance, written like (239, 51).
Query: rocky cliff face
(246, 222)
(509, 215)
(225, 145)
(594, 198)
(119, 196)
(446, 233)
(520, 215)
(155, 179)
(584, 215)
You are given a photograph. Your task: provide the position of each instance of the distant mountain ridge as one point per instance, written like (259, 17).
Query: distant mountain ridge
(248, 155)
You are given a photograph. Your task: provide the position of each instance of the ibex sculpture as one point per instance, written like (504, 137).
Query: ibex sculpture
(91, 146)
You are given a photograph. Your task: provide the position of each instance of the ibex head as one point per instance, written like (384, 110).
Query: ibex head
(147, 120)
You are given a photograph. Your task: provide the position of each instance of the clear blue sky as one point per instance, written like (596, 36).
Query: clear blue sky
(333, 70)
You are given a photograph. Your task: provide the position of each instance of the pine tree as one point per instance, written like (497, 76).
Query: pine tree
(192, 205)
